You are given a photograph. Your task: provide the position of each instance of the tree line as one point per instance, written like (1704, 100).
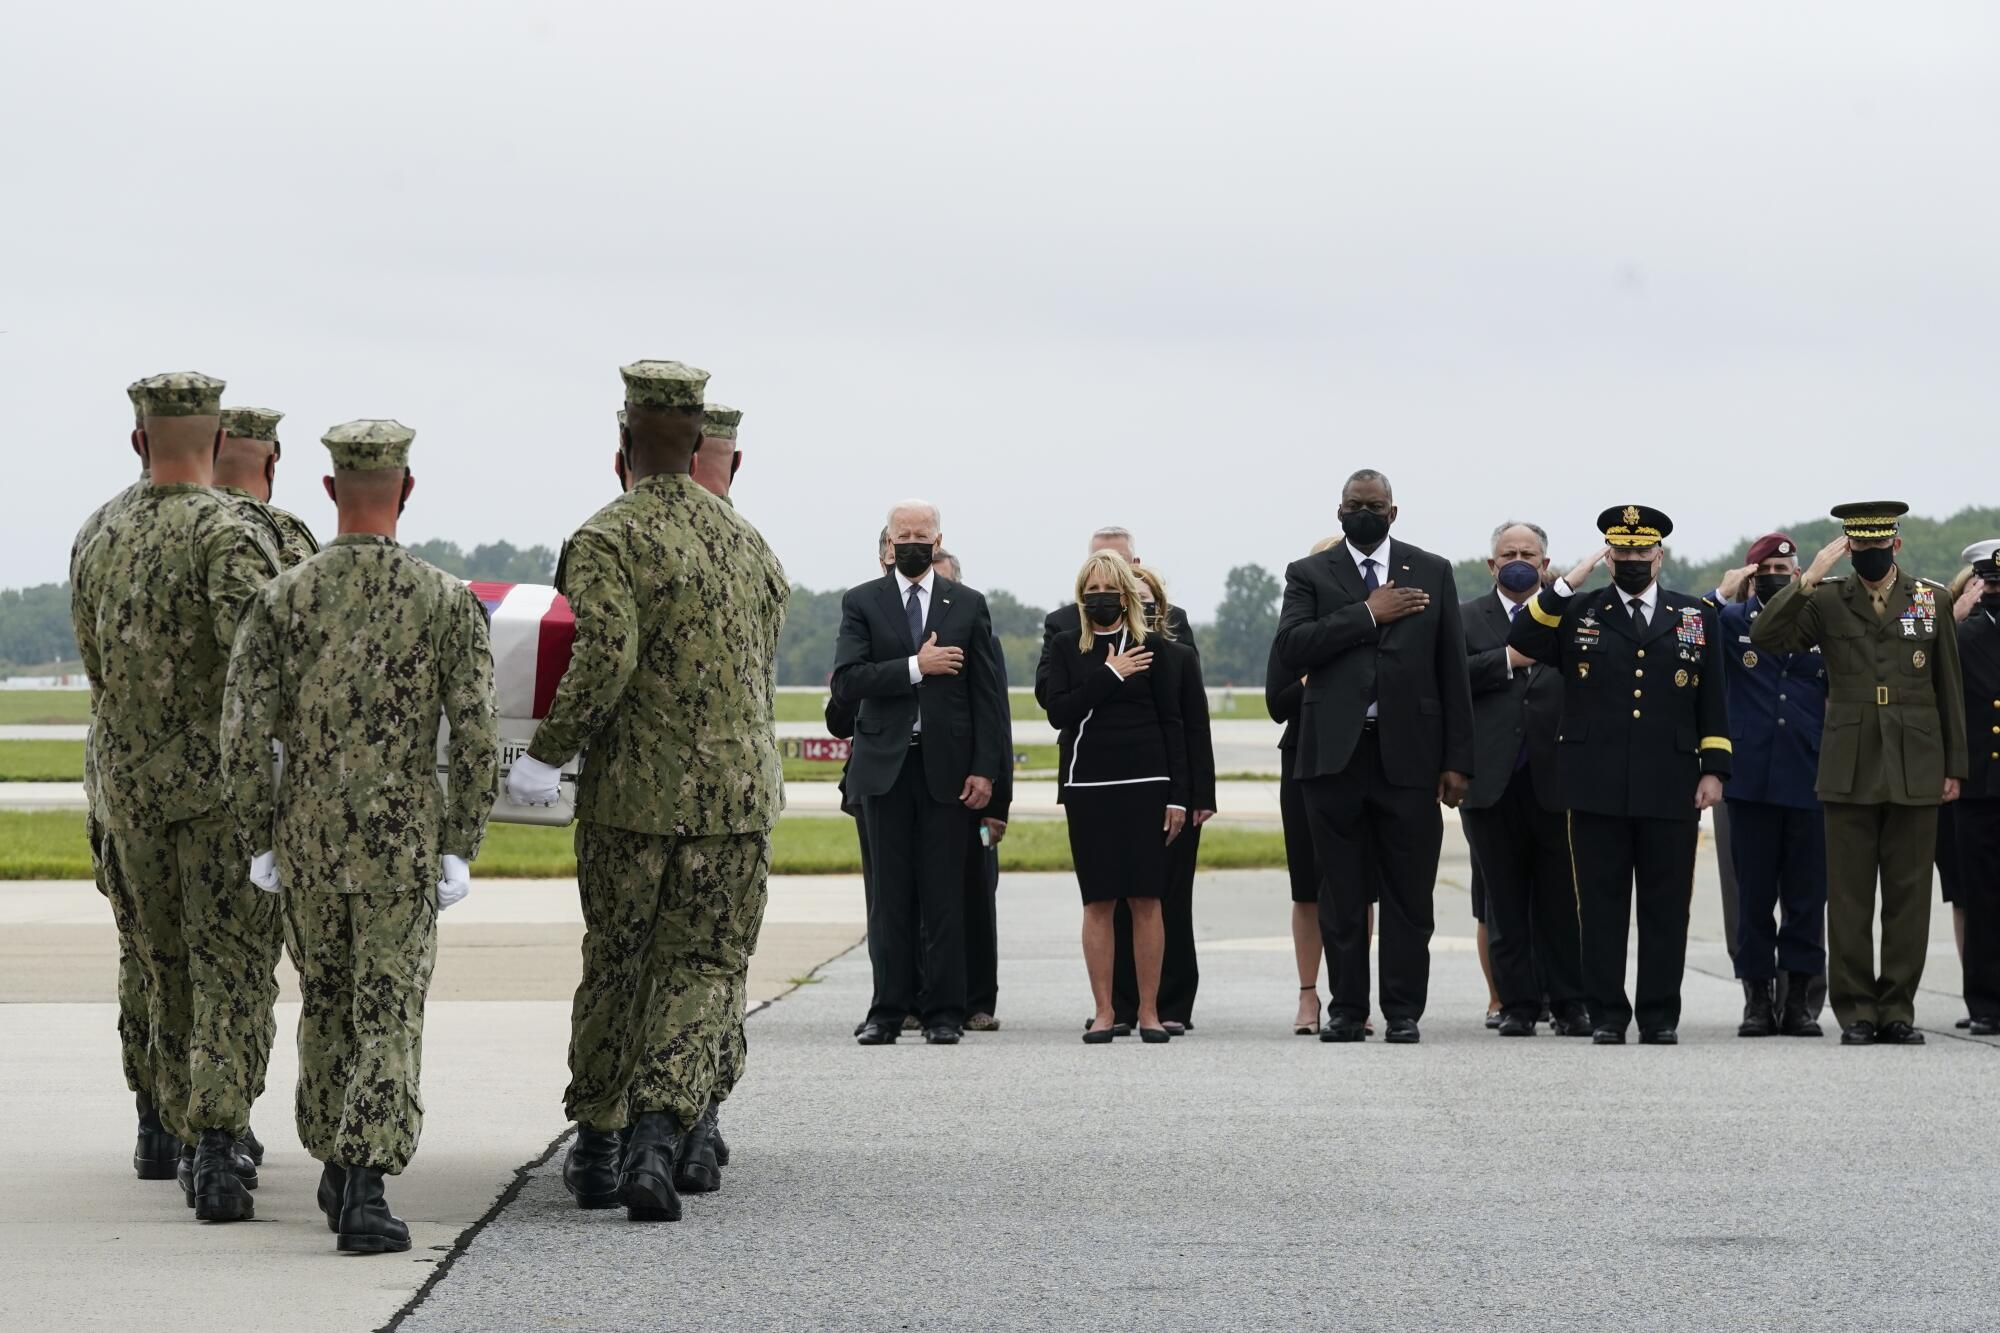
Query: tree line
(35, 627)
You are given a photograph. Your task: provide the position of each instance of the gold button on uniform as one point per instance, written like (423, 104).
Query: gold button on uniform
(1635, 712)
(1642, 652)
(1638, 672)
(1640, 694)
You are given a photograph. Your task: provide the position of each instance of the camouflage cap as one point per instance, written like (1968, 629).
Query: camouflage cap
(138, 402)
(657, 385)
(621, 418)
(369, 446)
(719, 422)
(180, 393)
(253, 423)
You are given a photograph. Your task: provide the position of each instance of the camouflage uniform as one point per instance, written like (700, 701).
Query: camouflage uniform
(288, 532)
(348, 661)
(670, 688)
(156, 596)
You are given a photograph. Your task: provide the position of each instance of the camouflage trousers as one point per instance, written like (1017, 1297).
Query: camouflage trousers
(669, 926)
(135, 1024)
(364, 963)
(208, 945)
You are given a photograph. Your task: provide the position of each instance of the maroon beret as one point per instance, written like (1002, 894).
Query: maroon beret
(1772, 545)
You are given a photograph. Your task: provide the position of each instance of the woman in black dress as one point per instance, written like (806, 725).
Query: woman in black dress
(1123, 779)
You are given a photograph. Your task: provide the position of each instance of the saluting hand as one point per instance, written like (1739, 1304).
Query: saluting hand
(1974, 590)
(1389, 602)
(1576, 576)
(1823, 564)
(935, 661)
(1732, 583)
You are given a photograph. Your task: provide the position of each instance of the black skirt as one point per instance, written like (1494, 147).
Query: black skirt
(1117, 837)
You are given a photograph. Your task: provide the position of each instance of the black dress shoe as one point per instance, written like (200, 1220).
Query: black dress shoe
(1403, 1032)
(698, 1171)
(1659, 1037)
(943, 1034)
(590, 1172)
(1858, 1033)
(1342, 1028)
(1607, 1036)
(156, 1154)
(878, 1034)
(646, 1185)
(366, 1224)
(1155, 1036)
(219, 1192)
(1513, 1025)
(1963, 1023)
(332, 1191)
(251, 1146)
(1571, 1021)
(1898, 1033)
(1983, 1027)
(1760, 1015)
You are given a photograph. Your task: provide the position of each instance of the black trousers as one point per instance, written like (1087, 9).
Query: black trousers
(1780, 857)
(1616, 856)
(1976, 824)
(916, 856)
(1351, 813)
(1523, 854)
(1180, 974)
(981, 884)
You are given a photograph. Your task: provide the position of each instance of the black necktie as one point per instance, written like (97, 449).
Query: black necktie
(1638, 615)
(914, 609)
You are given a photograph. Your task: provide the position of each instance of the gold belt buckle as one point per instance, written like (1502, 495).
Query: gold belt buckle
(1882, 695)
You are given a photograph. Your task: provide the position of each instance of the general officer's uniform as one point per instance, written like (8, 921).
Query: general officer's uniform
(1895, 731)
(1643, 721)
(1976, 816)
(1777, 702)
(347, 662)
(670, 690)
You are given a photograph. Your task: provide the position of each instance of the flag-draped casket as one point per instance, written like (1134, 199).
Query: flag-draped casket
(532, 630)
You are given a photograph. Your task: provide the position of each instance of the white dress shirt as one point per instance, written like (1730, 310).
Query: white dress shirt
(1380, 555)
(923, 587)
(1649, 599)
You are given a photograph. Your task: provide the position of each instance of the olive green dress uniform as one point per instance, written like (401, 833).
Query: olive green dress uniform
(670, 693)
(1895, 730)
(156, 598)
(347, 662)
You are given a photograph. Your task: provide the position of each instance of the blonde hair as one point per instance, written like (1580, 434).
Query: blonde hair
(1325, 544)
(1148, 576)
(1112, 567)
(1957, 589)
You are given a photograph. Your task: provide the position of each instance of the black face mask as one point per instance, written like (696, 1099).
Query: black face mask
(1364, 527)
(1873, 563)
(1770, 585)
(1105, 609)
(913, 558)
(1632, 577)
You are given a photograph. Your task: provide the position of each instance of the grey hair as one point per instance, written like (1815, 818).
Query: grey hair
(1113, 534)
(958, 570)
(883, 540)
(1370, 474)
(1535, 528)
(917, 506)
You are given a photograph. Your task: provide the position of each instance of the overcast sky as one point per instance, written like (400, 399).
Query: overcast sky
(1180, 267)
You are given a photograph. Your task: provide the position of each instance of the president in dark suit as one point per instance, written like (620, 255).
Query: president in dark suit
(1513, 812)
(1385, 734)
(915, 658)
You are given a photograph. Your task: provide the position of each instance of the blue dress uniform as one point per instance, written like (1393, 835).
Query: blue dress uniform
(1777, 705)
(1644, 719)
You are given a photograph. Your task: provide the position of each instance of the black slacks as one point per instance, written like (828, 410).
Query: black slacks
(981, 882)
(1180, 974)
(1523, 854)
(1780, 857)
(916, 855)
(1976, 823)
(1351, 813)
(1617, 857)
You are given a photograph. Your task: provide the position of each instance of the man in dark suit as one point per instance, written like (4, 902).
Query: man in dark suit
(1513, 812)
(1643, 748)
(1385, 734)
(915, 658)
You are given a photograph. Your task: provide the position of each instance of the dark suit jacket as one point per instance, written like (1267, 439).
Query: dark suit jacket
(1284, 696)
(1194, 723)
(964, 716)
(1506, 710)
(1415, 666)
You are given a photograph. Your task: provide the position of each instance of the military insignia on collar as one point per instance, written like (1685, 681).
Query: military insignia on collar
(1917, 659)
(1750, 661)
(1681, 679)
(1697, 680)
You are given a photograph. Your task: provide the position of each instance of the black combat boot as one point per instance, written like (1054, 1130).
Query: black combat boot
(699, 1170)
(251, 1146)
(1796, 1019)
(220, 1194)
(646, 1185)
(184, 1173)
(590, 1172)
(156, 1155)
(366, 1225)
(715, 1134)
(1760, 1017)
(332, 1189)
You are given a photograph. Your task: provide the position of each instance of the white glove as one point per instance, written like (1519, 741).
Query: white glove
(457, 881)
(264, 871)
(532, 782)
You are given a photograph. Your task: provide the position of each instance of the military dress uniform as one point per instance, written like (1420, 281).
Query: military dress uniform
(1643, 721)
(347, 662)
(1777, 703)
(1976, 816)
(157, 595)
(670, 693)
(1895, 730)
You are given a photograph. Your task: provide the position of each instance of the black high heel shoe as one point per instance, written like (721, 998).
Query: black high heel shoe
(1300, 1029)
